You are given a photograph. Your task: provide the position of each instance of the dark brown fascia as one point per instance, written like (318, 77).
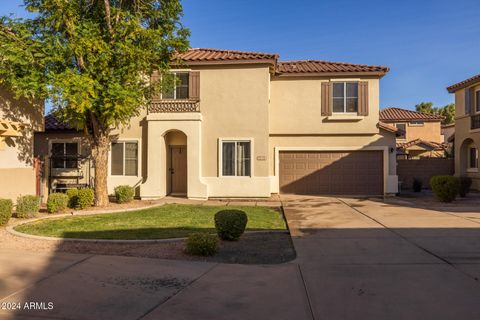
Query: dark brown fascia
(330, 74)
(409, 120)
(228, 62)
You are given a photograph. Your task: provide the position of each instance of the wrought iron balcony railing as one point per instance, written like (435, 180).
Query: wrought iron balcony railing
(475, 122)
(163, 106)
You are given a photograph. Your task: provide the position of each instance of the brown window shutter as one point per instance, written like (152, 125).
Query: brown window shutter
(363, 98)
(468, 101)
(194, 85)
(326, 99)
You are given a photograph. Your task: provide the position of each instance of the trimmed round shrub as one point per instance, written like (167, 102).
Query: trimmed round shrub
(201, 244)
(6, 206)
(230, 224)
(445, 188)
(85, 198)
(124, 193)
(417, 185)
(72, 195)
(57, 202)
(27, 206)
(465, 184)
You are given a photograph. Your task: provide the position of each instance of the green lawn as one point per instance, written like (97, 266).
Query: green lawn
(168, 221)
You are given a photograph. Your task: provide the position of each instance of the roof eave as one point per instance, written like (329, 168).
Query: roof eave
(224, 62)
(330, 74)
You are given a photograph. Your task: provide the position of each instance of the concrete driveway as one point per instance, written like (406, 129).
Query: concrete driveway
(356, 259)
(367, 259)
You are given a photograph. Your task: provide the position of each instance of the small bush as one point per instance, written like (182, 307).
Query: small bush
(417, 185)
(230, 224)
(465, 184)
(27, 206)
(85, 198)
(72, 195)
(201, 244)
(57, 202)
(445, 188)
(6, 206)
(124, 193)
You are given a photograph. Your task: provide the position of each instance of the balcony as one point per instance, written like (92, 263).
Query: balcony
(174, 106)
(475, 122)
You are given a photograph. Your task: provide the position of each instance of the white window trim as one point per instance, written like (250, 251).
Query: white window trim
(471, 169)
(73, 140)
(220, 156)
(139, 158)
(175, 71)
(344, 97)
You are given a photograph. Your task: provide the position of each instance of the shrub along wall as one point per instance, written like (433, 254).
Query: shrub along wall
(423, 169)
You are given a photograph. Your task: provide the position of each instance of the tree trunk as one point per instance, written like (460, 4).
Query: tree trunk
(100, 161)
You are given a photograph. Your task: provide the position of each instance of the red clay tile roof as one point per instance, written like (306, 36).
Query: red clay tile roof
(202, 55)
(397, 114)
(431, 144)
(283, 68)
(387, 127)
(320, 66)
(52, 123)
(464, 83)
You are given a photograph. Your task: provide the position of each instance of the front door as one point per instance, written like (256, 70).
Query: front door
(178, 169)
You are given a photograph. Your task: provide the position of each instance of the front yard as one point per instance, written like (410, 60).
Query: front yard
(167, 221)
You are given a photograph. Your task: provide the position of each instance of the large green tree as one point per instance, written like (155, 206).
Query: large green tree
(448, 111)
(92, 59)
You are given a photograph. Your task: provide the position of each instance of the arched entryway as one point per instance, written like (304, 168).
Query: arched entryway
(468, 156)
(176, 151)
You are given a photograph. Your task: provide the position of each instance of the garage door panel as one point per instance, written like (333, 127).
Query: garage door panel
(319, 172)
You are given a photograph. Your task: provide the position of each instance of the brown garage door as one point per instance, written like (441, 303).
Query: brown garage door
(331, 173)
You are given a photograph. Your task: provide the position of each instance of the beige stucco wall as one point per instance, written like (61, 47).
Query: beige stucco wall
(295, 108)
(429, 131)
(234, 104)
(16, 153)
(463, 137)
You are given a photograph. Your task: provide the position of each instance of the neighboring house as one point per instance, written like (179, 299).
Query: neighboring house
(18, 121)
(448, 132)
(420, 133)
(244, 124)
(467, 128)
(65, 155)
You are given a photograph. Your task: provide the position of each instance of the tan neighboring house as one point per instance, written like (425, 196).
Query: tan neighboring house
(245, 124)
(18, 167)
(467, 128)
(420, 133)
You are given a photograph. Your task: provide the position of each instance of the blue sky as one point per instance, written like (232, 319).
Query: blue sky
(428, 44)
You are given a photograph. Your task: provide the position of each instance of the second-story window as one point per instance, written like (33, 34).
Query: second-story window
(403, 130)
(180, 89)
(345, 97)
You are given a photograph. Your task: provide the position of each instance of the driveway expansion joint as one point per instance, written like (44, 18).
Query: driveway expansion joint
(412, 242)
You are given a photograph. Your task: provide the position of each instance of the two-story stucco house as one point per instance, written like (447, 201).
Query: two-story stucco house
(245, 124)
(19, 120)
(420, 133)
(467, 128)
